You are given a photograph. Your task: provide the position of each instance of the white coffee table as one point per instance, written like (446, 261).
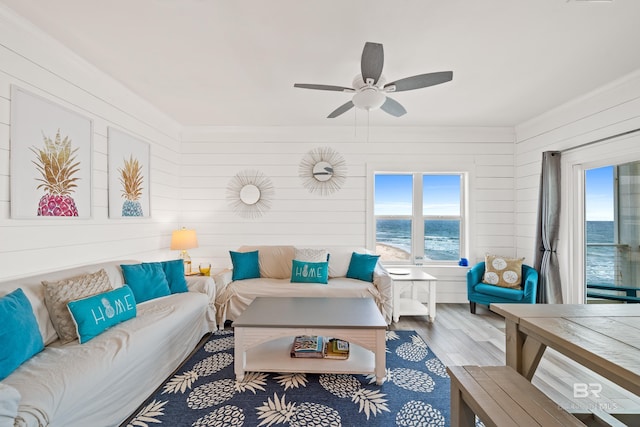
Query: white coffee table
(264, 333)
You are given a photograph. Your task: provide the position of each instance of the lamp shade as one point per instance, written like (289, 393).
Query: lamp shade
(184, 239)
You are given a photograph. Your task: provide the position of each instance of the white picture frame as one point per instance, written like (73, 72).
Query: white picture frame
(49, 140)
(128, 154)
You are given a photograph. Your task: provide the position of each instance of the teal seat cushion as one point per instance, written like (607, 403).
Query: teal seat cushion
(361, 266)
(95, 314)
(174, 271)
(146, 280)
(245, 265)
(497, 291)
(309, 272)
(20, 337)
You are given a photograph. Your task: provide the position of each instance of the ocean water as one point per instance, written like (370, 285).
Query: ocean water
(442, 242)
(600, 259)
(442, 237)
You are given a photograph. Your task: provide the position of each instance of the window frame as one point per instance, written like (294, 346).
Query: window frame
(418, 216)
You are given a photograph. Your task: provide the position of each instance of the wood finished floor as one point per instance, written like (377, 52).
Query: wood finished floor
(458, 337)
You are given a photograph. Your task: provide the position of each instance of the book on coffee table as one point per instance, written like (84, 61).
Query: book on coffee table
(307, 346)
(336, 349)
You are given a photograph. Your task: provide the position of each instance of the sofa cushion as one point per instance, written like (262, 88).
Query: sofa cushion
(97, 313)
(275, 261)
(146, 280)
(102, 381)
(500, 292)
(245, 265)
(503, 271)
(174, 271)
(309, 272)
(9, 401)
(311, 254)
(340, 258)
(20, 336)
(361, 266)
(58, 294)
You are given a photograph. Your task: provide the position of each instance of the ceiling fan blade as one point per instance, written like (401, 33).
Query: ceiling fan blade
(372, 61)
(340, 110)
(393, 107)
(324, 87)
(420, 81)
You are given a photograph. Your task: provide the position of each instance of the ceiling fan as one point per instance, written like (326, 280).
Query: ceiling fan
(370, 88)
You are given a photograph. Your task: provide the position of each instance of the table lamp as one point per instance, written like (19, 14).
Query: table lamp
(182, 240)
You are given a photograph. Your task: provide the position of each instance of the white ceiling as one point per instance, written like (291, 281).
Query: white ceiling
(234, 63)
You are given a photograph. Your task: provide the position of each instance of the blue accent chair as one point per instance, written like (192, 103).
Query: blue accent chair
(482, 293)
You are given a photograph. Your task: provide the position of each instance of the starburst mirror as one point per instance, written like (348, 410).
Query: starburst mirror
(323, 170)
(249, 193)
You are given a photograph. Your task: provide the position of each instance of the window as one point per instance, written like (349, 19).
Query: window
(612, 230)
(418, 217)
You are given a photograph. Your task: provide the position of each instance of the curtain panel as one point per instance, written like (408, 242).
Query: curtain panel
(546, 259)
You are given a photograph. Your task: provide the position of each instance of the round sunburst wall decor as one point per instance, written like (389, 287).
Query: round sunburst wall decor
(323, 170)
(249, 193)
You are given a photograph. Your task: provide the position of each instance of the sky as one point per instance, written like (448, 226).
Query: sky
(441, 194)
(599, 194)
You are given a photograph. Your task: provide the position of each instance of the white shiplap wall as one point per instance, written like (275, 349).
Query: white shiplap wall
(36, 63)
(609, 111)
(212, 156)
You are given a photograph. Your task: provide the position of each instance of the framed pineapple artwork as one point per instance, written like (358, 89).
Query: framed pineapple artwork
(51, 148)
(128, 175)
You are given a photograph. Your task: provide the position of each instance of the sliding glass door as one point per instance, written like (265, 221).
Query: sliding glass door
(612, 231)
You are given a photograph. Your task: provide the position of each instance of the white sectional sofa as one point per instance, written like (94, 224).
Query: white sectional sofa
(275, 262)
(101, 382)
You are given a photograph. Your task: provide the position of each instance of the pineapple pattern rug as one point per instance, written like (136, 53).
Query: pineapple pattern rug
(204, 392)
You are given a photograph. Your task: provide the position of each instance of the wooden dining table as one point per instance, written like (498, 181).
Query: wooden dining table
(602, 337)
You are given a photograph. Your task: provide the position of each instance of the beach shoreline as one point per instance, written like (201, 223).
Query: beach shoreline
(392, 253)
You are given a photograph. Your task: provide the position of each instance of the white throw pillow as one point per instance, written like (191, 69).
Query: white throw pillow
(58, 294)
(311, 255)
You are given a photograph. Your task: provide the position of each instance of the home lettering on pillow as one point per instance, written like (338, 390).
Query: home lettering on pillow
(309, 271)
(107, 311)
(95, 314)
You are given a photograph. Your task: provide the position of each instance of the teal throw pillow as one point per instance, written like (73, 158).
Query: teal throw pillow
(146, 280)
(309, 272)
(95, 314)
(174, 271)
(20, 337)
(361, 266)
(245, 265)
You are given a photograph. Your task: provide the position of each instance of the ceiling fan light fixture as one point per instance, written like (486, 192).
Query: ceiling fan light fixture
(369, 99)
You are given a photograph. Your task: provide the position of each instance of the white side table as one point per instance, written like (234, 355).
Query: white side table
(411, 306)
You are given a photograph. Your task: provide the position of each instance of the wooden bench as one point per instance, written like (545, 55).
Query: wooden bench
(630, 291)
(501, 397)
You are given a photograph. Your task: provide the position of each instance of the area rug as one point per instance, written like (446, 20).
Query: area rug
(204, 392)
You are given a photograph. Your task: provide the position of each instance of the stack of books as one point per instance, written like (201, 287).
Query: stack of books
(308, 346)
(336, 349)
(315, 346)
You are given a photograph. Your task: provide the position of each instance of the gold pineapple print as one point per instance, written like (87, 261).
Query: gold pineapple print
(57, 166)
(131, 180)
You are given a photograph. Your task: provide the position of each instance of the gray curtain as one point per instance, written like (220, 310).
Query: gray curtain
(546, 259)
